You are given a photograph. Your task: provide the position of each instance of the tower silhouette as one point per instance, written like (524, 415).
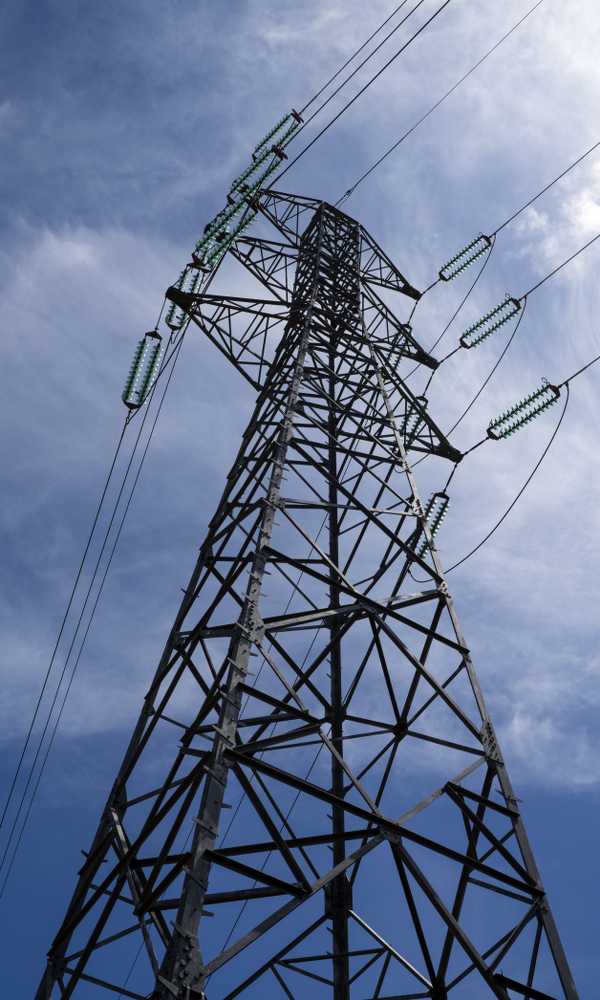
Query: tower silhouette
(313, 801)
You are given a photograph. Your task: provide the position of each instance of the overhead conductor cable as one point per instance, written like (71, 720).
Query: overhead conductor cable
(482, 247)
(342, 111)
(435, 106)
(57, 721)
(62, 627)
(352, 57)
(364, 62)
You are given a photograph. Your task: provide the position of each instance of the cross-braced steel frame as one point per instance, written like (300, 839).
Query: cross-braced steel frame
(313, 801)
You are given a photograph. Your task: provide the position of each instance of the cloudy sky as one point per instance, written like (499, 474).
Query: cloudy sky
(121, 125)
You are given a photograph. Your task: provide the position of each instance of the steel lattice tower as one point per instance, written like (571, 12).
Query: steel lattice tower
(376, 847)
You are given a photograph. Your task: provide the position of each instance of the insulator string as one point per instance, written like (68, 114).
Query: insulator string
(559, 267)
(511, 306)
(459, 308)
(511, 506)
(462, 258)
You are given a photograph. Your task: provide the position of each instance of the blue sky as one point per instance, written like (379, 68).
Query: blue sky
(121, 126)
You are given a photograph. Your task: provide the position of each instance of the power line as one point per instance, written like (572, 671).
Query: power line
(131, 968)
(177, 344)
(42, 737)
(84, 639)
(131, 416)
(579, 371)
(338, 89)
(523, 299)
(547, 187)
(510, 306)
(521, 491)
(175, 336)
(481, 387)
(62, 625)
(364, 88)
(437, 104)
(559, 267)
(353, 56)
(459, 308)
(517, 308)
(363, 63)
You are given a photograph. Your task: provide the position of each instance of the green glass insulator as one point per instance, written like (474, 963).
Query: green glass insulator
(143, 371)
(465, 257)
(524, 412)
(434, 515)
(490, 322)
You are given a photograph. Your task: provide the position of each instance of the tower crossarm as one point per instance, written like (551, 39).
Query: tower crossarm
(246, 331)
(376, 268)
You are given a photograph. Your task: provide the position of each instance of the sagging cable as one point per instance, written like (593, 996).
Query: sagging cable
(514, 502)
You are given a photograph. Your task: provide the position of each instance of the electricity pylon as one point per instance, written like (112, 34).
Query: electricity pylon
(375, 848)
